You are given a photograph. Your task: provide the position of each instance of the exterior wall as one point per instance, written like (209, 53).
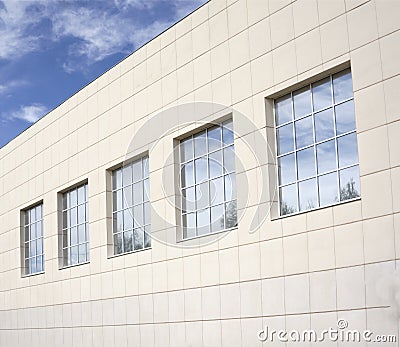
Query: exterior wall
(299, 272)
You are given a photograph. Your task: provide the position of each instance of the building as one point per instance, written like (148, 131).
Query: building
(104, 242)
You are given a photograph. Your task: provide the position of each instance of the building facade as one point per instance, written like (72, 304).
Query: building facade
(237, 175)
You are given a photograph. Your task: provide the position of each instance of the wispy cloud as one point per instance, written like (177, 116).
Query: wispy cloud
(9, 86)
(97, 29)
(29, 113)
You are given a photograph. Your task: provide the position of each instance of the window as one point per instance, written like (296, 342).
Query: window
(75, 216)
(317, 145)
(208, 184)
(33, 240)
(131, 207)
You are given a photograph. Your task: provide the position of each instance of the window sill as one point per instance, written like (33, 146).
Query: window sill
(127, 253)
(205, 235)
(74, 265)
(316, 209)
(33, 274)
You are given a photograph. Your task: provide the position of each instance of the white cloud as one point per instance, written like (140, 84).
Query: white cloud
(11, 85)
(98, 31)
(30, 113)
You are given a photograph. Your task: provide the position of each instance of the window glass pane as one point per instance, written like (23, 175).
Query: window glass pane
(349, 183)
(212, 160)
(74, 255)
(118, 245)
(287, 170)
(326, 156)
(215, 164)
(32, 248)
(39, 246)
(302, 102)
(230, 215)
(308, 194)
(217, 191)
(82, 253)
(147, 237)
(137, 171)
(39, 228)
(118, 222)
(33, 231)
(304, 132)
(328, 189)
(229, 159)
(33, 215)
(137, 193)
(189, 225)
(127, 175)
(200, 144)
(202, 195)
(189, 199)
(306, 163)
(187, 174)
(74, 235)
(217, 218)
(342, 86)
(138, 216)
(288, 197)
(39, 264)
(322, 96)
(186, 149)
(81, 195)
(200, 169)
(73, 196)
(128, 241)
(145, 163)
(27, 238)
(117, 179)
(214, 138)
(74, 216)
(285, 139)
(146, 187)
(26, 217)
(345, 120)
(147, 213)
(39, 212)
(32, 265)
(138, 238)
(227, 132)
(283, 110)
(324, 126)
(203, 221)
(128, 219)
(230, 187)
(65, 201)
(127, 196)
(347, 150)
(81, 233)
(117, 200)
(81, 214)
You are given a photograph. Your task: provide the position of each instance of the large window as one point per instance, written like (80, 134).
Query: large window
(317, 145)
(208, 185)
(33, 240)
(75, 240)
(131, 207)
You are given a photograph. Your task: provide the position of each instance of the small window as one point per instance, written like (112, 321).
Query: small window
(33, 240)
(131, 207)
(316, 141)
(75, 226)
(208, 181)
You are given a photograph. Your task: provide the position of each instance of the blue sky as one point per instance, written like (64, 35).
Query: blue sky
(49, 49)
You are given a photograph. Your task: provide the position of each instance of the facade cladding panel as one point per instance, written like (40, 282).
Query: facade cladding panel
(269, 198)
